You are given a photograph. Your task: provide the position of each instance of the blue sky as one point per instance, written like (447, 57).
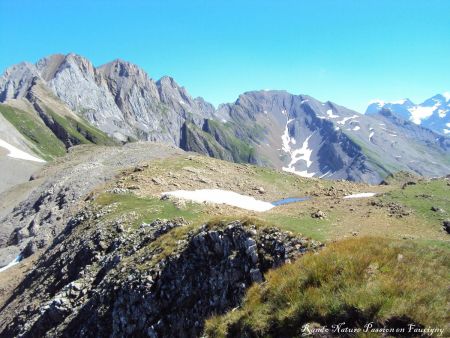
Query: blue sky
(346, 51)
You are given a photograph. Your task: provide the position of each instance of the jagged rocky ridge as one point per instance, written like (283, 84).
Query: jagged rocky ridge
(118, 98)
(295, 133)
(109, 280)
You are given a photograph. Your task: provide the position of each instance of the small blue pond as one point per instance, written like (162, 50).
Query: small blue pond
(290, 200)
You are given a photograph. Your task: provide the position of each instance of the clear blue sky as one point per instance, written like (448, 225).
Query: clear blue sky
(347, 51)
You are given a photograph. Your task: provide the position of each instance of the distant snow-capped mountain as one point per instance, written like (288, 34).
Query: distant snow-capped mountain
(433, 113)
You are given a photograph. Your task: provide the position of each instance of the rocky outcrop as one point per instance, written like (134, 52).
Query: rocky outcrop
(162, 279)
(34, 222)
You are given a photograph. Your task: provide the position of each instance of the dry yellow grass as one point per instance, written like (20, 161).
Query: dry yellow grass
(353, 281)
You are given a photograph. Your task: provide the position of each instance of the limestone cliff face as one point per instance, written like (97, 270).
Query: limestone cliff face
(103, 280)
(119, 97)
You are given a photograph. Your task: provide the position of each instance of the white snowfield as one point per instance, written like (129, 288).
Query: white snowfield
(17, 153)
(302, 153)
(421, 113)
(360, 195)
(219, 196)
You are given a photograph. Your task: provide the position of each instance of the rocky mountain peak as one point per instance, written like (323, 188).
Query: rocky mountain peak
(122, 68)
(51, 66)
(16, 81)
(168, 81)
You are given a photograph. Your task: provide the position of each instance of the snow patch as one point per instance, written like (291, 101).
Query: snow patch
(419, 113)
(442, 113)
(302, 153)
(302, 173)
(345, 119)
(446, 131)
(360, 195)
(286, 139)
(219, 196)
(17, 153)
(327, 173)
(356, 128)
(331, 115)
(14, 262)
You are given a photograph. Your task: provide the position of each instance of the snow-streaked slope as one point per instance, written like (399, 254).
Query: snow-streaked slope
(302, 153)
(433, 113)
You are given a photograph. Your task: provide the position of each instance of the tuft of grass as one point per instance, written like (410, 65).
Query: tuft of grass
(46, 144)
(357, 280)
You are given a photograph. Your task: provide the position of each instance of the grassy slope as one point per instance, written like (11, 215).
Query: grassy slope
(199, 141)
(46, 144)
(241, 151)
(356, 281)
(343, 217)
(381, 166)
(147, 209)
(80, 130)
(421, 197)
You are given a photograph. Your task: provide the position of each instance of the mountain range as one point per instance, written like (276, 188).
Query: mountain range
(63, 100)
(433, 113)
